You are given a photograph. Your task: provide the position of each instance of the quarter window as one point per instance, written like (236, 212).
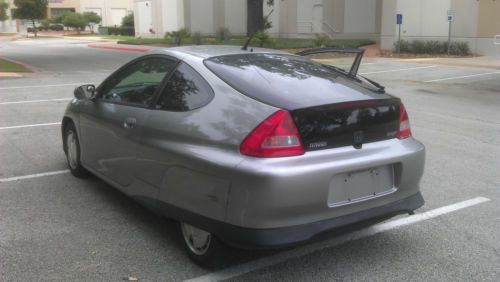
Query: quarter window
(185, 90)
(138, 83)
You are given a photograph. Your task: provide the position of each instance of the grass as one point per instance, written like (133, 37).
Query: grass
(8, 66)
(7, 34)
(276, 43)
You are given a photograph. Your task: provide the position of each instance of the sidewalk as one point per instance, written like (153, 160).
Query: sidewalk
(491, 62)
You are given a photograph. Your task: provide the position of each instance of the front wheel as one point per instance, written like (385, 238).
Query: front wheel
(202, 247)
(72, 150)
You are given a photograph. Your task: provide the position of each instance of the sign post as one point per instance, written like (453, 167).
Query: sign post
(450, 20)
(399, 22)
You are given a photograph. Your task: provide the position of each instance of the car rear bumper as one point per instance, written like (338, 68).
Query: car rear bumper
(291, 235)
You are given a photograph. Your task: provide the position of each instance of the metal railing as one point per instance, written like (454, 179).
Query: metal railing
(311, 27)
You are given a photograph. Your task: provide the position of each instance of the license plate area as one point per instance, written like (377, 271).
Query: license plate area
(356, 186)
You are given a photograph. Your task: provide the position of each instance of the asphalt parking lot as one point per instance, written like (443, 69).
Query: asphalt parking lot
(54, 227)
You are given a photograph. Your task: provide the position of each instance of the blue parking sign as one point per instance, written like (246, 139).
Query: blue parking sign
(399, 19)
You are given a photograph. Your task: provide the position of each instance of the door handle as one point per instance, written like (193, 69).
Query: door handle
(129, 123)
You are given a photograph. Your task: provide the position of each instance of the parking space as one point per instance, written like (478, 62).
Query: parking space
(57, 227)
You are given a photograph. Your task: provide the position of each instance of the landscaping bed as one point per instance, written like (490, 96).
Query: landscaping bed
(8, 66)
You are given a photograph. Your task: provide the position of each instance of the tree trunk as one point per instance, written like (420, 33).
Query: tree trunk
(35, 31)
(255, 19)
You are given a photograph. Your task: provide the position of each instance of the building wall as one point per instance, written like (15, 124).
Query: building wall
(111, 11)
(475, 22)
(360, 16)
(63, 4)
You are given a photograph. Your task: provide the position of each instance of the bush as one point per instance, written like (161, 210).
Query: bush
(197, 38)
(320, 40)
(433, 47)
(76, 21)
(128, 20)
(56, 27)
(222, 34)
(124, 30)
(262, 38)
(45, 24)
(178, 35)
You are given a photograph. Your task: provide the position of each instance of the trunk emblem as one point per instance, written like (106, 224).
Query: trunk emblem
(358, 139)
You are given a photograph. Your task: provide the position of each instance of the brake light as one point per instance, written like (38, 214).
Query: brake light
(404, 123)
(276, 136)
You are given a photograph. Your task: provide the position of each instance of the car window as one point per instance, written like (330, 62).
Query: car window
(137, 83)
(185, 90)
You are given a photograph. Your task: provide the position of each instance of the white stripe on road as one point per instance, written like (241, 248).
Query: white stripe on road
(239, 270)
(30, 125)
(407, 69)
(36, 175)
(46, 85)
(464, 76)
(35, 101)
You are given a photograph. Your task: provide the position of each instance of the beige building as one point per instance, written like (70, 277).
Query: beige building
(111, 11)
(474, 21)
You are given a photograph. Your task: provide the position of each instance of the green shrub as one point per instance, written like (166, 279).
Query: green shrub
(197, 38)
(178, 36)
(124, 30)
(222, 34)
(433, 47)
(128, 20)
(320, 40)
(56, 27)
(262, 38)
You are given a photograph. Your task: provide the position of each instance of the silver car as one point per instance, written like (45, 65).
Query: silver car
(254, 147)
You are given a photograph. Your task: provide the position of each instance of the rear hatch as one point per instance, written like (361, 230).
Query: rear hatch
(329, 109)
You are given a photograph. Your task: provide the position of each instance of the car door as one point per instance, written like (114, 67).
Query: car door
(111, 125)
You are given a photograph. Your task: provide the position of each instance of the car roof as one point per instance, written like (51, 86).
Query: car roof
(208, 51)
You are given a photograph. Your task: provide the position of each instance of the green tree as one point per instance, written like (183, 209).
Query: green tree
(4, 5)
(31, 10)
(255, 15)
(92, 18)
(76, 21)
(128, 20)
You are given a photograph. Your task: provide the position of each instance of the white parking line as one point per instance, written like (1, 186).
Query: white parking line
(29, 125)
(239, 270)
(36, 175)
(406, 69)
(464, 76)
(35, 101)
(46, 85)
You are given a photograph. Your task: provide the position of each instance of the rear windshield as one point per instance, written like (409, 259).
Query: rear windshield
(280, 80)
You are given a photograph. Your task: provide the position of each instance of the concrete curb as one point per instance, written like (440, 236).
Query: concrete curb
(120, 48)
(10, 74)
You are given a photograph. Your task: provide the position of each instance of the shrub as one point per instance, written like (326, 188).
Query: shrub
(262, 38)
(178, 35)
(320, 40)
(197, 38)
(56, 27)
(76, 21)
(124, 30)
(128, 20)
(45, 24)
(222, 34)
(433, 47)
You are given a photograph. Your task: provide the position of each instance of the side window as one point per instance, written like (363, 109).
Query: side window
(138, 82)
(185, 90)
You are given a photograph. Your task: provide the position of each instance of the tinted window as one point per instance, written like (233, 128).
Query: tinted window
(185, 90)
(137, 83)
(282, 80)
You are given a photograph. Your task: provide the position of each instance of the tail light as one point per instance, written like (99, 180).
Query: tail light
(404, 123)
(277, 136)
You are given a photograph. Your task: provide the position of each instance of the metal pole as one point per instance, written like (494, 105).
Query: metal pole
(449, 37)
(399, 39)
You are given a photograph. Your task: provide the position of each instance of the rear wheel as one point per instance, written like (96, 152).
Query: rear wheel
(202, 247)
(72, 150)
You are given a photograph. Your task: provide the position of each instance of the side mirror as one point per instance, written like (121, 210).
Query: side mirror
(84, 92)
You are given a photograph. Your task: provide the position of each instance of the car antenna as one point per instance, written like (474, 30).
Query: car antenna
(245, 47)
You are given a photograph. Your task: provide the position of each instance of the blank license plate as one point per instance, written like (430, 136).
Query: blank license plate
(357, 186)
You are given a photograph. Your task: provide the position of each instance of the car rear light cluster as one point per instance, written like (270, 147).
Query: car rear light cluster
(404, 130)
(276, 136)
